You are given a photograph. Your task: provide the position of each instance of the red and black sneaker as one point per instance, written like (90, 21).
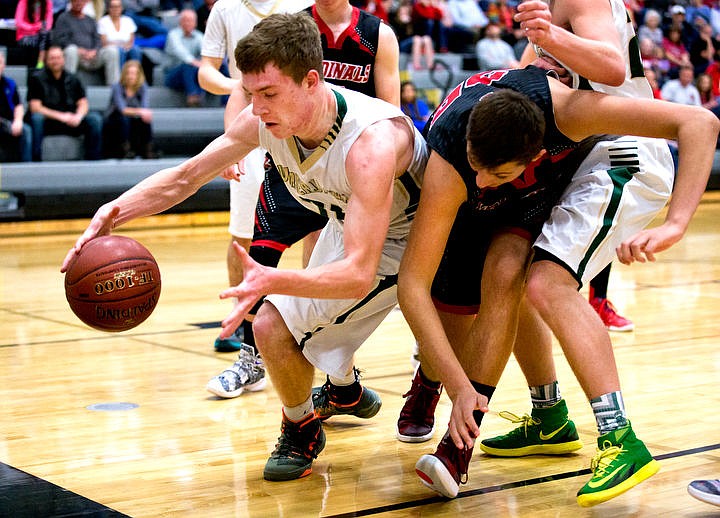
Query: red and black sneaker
(447, 468)
(417, 417)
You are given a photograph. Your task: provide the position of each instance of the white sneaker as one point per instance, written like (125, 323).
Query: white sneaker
(247, 373)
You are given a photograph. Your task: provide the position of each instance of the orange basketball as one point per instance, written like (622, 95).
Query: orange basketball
(113, 284)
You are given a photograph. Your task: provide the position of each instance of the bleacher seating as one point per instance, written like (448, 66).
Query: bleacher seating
(177, 130)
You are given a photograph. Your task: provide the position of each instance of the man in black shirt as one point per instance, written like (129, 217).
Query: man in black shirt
(58, 106)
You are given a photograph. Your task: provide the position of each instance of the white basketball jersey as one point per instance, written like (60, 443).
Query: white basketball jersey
(320, 183)
(635, 84)
(231, 20)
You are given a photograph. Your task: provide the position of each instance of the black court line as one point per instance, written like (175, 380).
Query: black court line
(503, 487)
(23, 495)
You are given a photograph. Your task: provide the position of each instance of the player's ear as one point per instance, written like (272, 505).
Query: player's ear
(312, 78)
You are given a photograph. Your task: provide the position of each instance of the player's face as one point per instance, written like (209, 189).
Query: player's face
(278, 101)
(489, 178)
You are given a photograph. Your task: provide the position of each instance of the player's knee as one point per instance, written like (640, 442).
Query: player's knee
(538, 291)
(268, 327)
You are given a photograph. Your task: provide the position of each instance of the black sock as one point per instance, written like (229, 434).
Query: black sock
(249, 336)
(599, 284)
(427, 381)
(485, 390)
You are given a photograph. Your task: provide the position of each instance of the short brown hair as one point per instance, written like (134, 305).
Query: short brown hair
(291, 42)
(505, 126)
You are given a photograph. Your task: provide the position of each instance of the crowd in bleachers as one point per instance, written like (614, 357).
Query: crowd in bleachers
(679, 46)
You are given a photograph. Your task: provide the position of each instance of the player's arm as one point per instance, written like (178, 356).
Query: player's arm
(211, 79)
(579, 114)
(212, 55)
(387, 66)
(591, 48)
(172, 185)
(443, 191)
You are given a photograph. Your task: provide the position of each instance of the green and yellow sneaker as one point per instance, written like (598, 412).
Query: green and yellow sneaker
(621, 462)
(548, 431)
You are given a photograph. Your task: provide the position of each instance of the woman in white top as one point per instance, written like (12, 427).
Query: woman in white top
(119, 30)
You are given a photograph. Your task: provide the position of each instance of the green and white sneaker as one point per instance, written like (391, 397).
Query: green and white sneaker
(548, 431)
(621, 462)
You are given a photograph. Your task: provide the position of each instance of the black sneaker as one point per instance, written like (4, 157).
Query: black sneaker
(327, 405)
(298, 445)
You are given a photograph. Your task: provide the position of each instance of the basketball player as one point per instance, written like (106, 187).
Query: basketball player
(595, 43)
(229, 21)
(360, 53)
(485, 135)
(355, 159)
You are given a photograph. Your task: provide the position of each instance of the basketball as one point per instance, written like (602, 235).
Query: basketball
(113, 284)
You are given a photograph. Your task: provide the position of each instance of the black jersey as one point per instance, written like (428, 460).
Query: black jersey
(446, 136)
(349, 61)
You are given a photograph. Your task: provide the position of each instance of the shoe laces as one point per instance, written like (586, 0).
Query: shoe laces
(604, 457)
(524, 421)
(296, 440)
(421, 399)
(247, 364)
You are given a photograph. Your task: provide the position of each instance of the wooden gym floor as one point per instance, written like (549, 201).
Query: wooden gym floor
(182, 452)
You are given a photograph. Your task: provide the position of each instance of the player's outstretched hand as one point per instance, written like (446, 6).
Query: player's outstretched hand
(645, 244)
(248, 292)
(234, 172)
(101, 225)
(462, 427)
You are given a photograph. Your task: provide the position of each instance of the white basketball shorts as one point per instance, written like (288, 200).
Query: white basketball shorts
(616, 192)
(331, 330)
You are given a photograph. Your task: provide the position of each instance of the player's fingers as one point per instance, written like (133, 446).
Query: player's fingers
(637, 251)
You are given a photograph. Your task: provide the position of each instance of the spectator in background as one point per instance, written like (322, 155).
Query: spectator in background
(151, 33)
(679, 21)
(697, 8)
(682, 90)
(59, 6)
(413, 106)
(492, 52)
(675, 52)
(705, 49)
(59, 106)
(468, 20)
(76, 33)
(651, 77)
(650, 27)
(653, 57)
(401, 21)
(427, 23)
(184, 46)
(118, 30)
(714, 72)
(15, 136)
(505, 16)
(33, 22)
(708, 100)
(128, 119)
